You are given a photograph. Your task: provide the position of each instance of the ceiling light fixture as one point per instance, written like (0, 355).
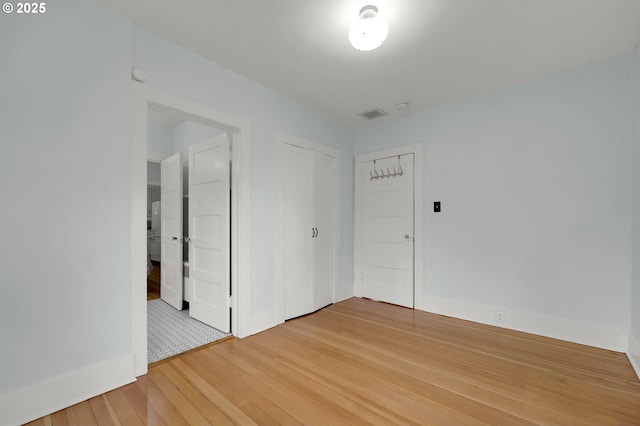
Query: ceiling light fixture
(370, 31)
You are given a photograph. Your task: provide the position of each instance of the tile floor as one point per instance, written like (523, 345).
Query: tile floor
(170, 332)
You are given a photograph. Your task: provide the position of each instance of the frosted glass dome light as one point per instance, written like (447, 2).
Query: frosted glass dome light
(370, 31)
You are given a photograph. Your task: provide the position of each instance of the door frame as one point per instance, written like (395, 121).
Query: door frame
(288, 139)
(144, 97)
(418, 218)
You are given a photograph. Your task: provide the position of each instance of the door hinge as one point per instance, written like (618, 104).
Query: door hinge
(229, 302)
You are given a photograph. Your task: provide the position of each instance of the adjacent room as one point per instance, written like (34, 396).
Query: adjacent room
(419, 212)
(175, 146)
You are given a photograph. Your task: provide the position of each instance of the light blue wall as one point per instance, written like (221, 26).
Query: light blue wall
(535, 185)
(173, 69)
(635, 284)
(160, 138)
(65, 188)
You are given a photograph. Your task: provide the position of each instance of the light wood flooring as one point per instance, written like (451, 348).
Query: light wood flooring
(153, 282)
(362, 362)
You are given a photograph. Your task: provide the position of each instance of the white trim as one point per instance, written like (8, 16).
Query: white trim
(63, 391)
(633, 353)
(418, 232)
(143, 97)
(264, 320)
(343, 293)
(156, 157)
(585, 333)
(287, 139)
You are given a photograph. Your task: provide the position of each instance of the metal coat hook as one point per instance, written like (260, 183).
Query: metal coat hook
(375, 174)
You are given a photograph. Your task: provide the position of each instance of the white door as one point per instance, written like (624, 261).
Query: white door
(209, 232)
(171, 231)
(299, 231)
(388, 230)
(308, 268)
(322, 244)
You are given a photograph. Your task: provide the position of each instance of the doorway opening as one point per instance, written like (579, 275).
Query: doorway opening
(175, 191)
(236, 132)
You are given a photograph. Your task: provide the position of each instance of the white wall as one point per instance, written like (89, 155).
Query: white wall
(178, 71)
(535, 188)
(65, 187)
(634, 335)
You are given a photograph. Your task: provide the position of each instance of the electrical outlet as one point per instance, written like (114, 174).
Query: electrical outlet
(500, 317)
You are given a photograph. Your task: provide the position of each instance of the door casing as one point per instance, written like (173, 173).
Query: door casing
(144, 97)
(360, 161)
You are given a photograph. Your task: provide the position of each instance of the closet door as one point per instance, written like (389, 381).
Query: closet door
(299, 231)
(308, 230)
(322, 243)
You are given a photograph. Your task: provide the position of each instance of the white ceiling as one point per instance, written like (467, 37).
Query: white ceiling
(164, 118)
(437, 50)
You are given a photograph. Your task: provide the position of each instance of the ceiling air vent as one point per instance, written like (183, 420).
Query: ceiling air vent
(373, 113)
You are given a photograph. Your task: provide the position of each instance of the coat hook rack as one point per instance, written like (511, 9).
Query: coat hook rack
(382, 173)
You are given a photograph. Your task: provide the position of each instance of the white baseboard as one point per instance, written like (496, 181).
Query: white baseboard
(586, 333)
(343, 293)
(264, 320)
(633, 353)
(64, 391)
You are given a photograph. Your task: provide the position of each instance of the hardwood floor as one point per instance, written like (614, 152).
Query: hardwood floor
(153, 282)
(362, 362)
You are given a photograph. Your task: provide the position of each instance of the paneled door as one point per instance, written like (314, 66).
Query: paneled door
(308, 230)
(322, 243)
(299, 231)
(387, 239)
(209, 232)
(171, 231)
